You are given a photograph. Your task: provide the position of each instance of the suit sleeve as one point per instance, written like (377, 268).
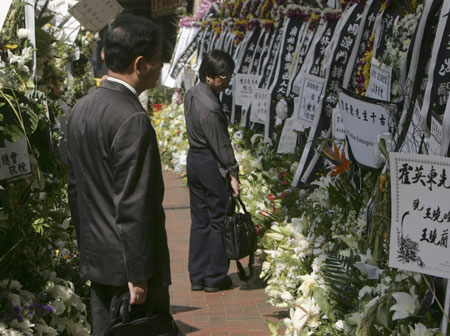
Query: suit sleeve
(73, 200)
(215, 129)
(132, 150)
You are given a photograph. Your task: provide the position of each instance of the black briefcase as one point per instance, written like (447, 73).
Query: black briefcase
(239, 236)
(133, 320)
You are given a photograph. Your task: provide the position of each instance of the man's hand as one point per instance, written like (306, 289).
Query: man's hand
(138, 292)
(235, 185)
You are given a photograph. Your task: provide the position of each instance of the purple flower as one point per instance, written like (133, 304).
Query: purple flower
(16, 314)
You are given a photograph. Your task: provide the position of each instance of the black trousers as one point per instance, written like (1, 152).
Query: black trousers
(208, 265)
(102, 295)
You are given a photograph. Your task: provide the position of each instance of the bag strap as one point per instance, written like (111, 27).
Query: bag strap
(241, 271)
(231, 204)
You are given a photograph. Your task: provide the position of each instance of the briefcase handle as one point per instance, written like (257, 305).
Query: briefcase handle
(231, 205)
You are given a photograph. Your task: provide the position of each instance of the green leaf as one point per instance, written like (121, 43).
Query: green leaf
(44, 20)
(20, 4)
(273, 328)
(33, 119)
(14, 132)
(321, 299)
(43, 41)
(382, 316)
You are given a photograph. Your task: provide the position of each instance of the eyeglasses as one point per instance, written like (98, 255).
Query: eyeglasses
(224, 77)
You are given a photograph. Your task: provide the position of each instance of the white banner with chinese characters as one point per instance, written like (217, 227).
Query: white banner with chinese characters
(380, 81)
(94, 15)
(14, 160)
(420, 213)
(364, 120)
(288, 138)
(337, 125)
(260, 110)
(245, 84)
(309, 98)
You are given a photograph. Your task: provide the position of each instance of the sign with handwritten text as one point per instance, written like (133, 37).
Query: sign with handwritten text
(14, 160)
(288, 138)
(260, 106)
(245, 84)
(364, 120)
(94, 15)
(380, 81)
(310, 97)
(420, 213)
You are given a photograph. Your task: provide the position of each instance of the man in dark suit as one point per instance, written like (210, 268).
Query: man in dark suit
(115, 181)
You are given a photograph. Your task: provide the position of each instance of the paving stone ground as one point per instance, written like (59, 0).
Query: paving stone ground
(231, 312)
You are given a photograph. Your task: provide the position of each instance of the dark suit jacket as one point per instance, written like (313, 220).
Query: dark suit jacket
(116, 189)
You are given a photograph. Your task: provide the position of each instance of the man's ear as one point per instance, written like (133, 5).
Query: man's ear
(209, 79)
(139, 64)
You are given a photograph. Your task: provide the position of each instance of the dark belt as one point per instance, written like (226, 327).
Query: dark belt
(200, 150)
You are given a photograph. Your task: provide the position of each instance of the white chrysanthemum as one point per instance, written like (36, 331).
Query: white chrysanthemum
(339, 325)
(43, 329)
(318, 262)
(309, 282)
(25, 325)
(62, 292)
(2, 328)
(59, 306)
(23, 33)
(14, 299)
(13, 284)
(77, 328)
(12, 332)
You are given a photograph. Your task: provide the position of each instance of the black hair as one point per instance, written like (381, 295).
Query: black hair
(130, 36)
(216, 63)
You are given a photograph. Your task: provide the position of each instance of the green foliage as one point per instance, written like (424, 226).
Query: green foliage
(343, 280)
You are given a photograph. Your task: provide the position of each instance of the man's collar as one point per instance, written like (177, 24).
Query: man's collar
(128, 86)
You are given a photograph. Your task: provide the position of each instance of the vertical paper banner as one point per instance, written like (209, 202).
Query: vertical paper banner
(435, 140)
(380, 81)
(288, 138)
(446, 129)
(271, 57)
(14, 160)
(338, 127)
(4, 9)
(415, 137)
(260, 106)
(438, 85)
(420, 214)
(309, 99)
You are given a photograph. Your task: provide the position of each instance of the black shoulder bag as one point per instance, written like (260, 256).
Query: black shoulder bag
(127, 320)
(239, 236)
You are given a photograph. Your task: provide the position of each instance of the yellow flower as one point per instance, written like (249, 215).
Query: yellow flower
(314, 16)
(11, 46)
(98, 81)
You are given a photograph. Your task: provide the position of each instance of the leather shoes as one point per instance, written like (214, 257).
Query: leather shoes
(226, 284)
(197, 287)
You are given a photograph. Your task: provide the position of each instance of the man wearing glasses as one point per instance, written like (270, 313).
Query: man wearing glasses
(210, 164)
